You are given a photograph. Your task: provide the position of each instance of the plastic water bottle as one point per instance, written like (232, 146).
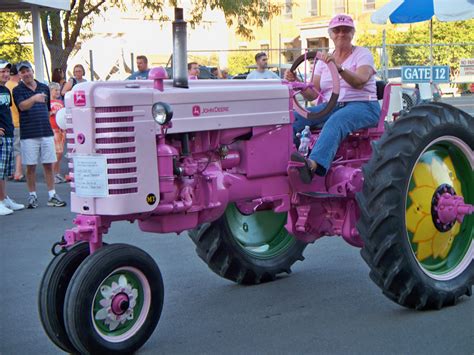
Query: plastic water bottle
(305, 140)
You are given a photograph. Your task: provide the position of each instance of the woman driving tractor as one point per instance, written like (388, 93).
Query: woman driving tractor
(357, 106)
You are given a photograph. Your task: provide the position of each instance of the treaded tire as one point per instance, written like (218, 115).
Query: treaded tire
(224, 255)
(52, 292)
(85, 291)
(407, 102)
(383, 227)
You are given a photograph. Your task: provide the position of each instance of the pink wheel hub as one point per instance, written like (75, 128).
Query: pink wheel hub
(120, 304)
(451, 207)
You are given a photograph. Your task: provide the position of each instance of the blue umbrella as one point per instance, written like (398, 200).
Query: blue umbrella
(409, 11)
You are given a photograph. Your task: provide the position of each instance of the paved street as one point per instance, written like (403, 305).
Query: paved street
(465, 102)
(328, 304)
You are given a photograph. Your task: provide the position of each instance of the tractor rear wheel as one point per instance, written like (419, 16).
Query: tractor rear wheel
(415, 259)
(247, 249)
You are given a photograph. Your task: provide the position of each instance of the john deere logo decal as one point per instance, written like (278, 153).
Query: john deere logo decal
(196, 110)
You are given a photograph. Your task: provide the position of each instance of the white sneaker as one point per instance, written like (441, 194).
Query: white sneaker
(4, 210)
(9, 203)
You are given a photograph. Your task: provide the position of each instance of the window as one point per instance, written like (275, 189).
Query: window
(289, 52)
(340, 6)
(317, 43)
(288, 8)
(369, 5)
(314, 7)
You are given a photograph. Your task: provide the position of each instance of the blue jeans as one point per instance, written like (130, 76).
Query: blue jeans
(343, 119)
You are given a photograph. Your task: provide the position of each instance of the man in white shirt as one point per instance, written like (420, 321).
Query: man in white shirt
(262, 72)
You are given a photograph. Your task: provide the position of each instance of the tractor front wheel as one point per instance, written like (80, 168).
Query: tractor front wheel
(418, 259)
(114, 301)
(52, 291)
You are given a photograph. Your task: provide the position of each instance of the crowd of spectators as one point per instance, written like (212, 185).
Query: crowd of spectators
(29, 134)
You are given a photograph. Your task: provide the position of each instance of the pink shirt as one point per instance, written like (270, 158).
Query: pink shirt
(360, 56)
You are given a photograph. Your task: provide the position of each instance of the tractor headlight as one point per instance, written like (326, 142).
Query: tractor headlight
(161, 112)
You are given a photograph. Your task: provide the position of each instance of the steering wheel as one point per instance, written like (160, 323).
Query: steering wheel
(304, 73)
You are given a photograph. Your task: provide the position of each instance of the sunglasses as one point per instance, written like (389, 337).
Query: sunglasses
(343, 29)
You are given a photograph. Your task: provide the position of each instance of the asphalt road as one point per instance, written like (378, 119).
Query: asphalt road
(328, 305)
(465, 102)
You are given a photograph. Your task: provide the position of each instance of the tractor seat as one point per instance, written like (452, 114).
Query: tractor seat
(380, 87)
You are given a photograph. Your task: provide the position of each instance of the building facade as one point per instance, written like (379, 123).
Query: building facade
(304, 24)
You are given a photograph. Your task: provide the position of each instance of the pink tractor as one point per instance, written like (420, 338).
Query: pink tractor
(213, 158)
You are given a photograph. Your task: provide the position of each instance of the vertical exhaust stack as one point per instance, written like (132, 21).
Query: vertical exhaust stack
(180, 50)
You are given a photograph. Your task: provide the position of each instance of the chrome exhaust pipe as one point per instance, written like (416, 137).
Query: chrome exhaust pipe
(180, 50)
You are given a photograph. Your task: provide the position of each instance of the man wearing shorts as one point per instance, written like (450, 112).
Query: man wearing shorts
(7, 205)
(36, 136)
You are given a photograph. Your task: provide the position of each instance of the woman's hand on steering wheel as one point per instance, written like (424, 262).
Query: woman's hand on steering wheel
(289, 75)
(297, 86)
(327, 58)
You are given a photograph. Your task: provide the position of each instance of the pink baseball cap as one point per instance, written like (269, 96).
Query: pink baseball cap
(341, 20)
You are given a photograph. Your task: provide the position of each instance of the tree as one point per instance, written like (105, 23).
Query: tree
(238, 62)
(443, 33)
(61, 30)
(10, 47)
(210, 60)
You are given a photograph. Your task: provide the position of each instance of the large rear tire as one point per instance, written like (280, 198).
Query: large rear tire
(415, 261)
(247, 249)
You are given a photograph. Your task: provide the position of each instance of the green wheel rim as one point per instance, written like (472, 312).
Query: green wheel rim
(261, 234)
(127, 281)
(441, 255)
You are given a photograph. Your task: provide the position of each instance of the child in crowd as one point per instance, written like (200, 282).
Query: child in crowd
(59, 134)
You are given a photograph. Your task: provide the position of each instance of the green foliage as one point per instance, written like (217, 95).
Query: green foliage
(443, 33)
(10, 47)
(238, 62)
(243, 13)
(210, 60)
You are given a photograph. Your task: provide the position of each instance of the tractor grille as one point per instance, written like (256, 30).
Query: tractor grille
(114, 138)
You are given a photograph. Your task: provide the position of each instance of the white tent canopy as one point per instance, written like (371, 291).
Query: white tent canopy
(35, 6)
